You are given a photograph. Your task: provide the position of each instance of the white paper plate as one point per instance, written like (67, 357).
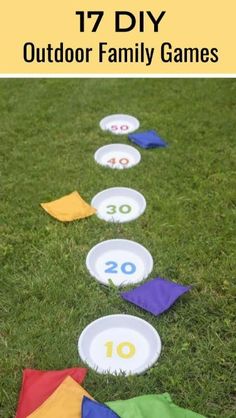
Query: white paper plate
(119, 344)
(119, 124)
(122, 261)
(117, 156)
(119, 204)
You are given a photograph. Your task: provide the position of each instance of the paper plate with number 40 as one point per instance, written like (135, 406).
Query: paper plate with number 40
(120, 261)
(119, 344)
(117, 156)
(119, 124)
(119, 204)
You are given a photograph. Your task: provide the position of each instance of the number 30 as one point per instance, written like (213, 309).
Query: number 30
(122, 209)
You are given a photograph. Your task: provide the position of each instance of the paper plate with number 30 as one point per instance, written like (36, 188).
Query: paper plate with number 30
(119, 204)
(120, 261)
(119, 124)
(119, 344)
(117, 156)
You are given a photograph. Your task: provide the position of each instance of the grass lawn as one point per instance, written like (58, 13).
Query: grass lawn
(48, 134)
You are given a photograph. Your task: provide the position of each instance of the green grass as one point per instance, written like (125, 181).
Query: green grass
(48, 134)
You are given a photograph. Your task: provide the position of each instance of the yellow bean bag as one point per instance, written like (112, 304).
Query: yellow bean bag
(69, 208)
(65, 402)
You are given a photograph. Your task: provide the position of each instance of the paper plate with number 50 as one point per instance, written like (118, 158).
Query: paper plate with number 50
(119, 204)
(119, 344)
(121, 261)
(119, 124)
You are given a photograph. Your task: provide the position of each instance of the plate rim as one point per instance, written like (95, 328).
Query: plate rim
(142, 369)
(92, 273)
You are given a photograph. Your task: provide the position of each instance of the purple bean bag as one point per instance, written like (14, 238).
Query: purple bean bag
(155, 296)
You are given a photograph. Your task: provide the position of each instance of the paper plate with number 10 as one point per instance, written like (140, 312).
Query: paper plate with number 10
(117, 156)
(119, 344)
(119, 204)
(120, 261)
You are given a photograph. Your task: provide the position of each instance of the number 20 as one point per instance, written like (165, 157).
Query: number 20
(126, 268)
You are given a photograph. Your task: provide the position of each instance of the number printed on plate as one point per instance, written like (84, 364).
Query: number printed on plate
(119, 127)
(116, 161)
(118, 209)
(124, 349)
(121, 267)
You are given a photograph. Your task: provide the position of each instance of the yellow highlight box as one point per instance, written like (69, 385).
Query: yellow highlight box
(119, 37)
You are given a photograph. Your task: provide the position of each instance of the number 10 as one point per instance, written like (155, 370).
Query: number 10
(120, 349)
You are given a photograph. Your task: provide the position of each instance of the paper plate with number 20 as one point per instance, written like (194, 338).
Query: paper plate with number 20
(119, 261)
